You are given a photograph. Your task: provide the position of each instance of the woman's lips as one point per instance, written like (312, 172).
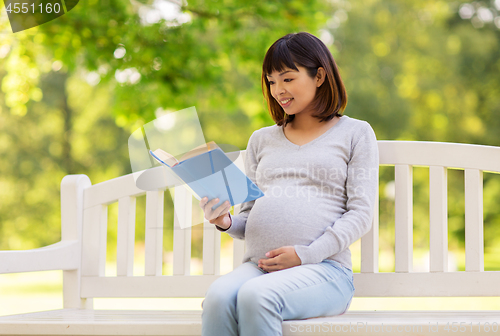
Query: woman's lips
(288, 102)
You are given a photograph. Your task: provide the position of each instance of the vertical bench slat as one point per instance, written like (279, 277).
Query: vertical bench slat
(211, 249)
(474, 241)
(182, 231)
(125, 236)
(95, 226)
(404, 218)
(438, 219)
(369, 243)
(154, 232)
(72, 191)
(238, 244)
(239, 248)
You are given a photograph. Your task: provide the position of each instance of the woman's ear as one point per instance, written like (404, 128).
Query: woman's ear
(320, 76)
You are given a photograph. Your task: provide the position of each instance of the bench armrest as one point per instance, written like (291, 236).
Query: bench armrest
(64, 255)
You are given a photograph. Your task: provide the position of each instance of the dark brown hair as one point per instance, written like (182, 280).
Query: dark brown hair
(305, 50)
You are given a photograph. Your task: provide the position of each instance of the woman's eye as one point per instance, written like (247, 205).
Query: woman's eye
(288, 79)
(271, 83)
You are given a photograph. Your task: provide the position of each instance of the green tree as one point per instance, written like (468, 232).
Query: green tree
(425, 70)
(416, 70)
(74, 88)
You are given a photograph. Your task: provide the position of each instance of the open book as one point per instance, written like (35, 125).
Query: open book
(208, 171)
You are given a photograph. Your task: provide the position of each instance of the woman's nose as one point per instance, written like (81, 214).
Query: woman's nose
(279, 89)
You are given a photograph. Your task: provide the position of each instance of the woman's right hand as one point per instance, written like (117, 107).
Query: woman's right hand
(219, 216)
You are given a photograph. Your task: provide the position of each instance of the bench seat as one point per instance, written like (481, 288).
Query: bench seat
(188, 322)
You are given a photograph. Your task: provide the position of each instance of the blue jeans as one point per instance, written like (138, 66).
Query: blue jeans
(249, 301)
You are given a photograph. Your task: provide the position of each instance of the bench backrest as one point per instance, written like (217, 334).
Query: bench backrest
(403, 155)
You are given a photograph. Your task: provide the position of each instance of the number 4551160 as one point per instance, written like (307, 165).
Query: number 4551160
(25, 8)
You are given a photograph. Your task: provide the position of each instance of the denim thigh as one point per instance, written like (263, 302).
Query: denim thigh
(304, 291)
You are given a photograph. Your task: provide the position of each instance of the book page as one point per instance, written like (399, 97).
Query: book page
(199, 150)
(169, 159)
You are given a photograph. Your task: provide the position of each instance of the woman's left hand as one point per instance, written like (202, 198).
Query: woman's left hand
(279, 259)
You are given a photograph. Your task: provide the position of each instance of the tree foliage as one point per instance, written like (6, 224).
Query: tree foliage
(74, 88)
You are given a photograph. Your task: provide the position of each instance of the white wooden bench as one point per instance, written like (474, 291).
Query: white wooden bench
(81, 254)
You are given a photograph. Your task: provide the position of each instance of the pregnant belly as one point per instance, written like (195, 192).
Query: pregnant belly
(286, 219)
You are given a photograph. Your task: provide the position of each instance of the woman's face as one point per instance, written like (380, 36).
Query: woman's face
(294, 90)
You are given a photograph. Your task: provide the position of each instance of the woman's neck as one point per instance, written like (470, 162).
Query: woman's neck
(306, 123)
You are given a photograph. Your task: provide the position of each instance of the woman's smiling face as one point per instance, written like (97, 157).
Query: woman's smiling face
(294, 90)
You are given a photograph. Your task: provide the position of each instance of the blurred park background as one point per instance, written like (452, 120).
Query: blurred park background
(73, 90)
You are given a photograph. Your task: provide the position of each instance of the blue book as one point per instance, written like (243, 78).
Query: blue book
(208, 171)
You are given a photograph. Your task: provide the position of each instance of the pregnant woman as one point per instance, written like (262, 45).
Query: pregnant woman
(318, 169)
